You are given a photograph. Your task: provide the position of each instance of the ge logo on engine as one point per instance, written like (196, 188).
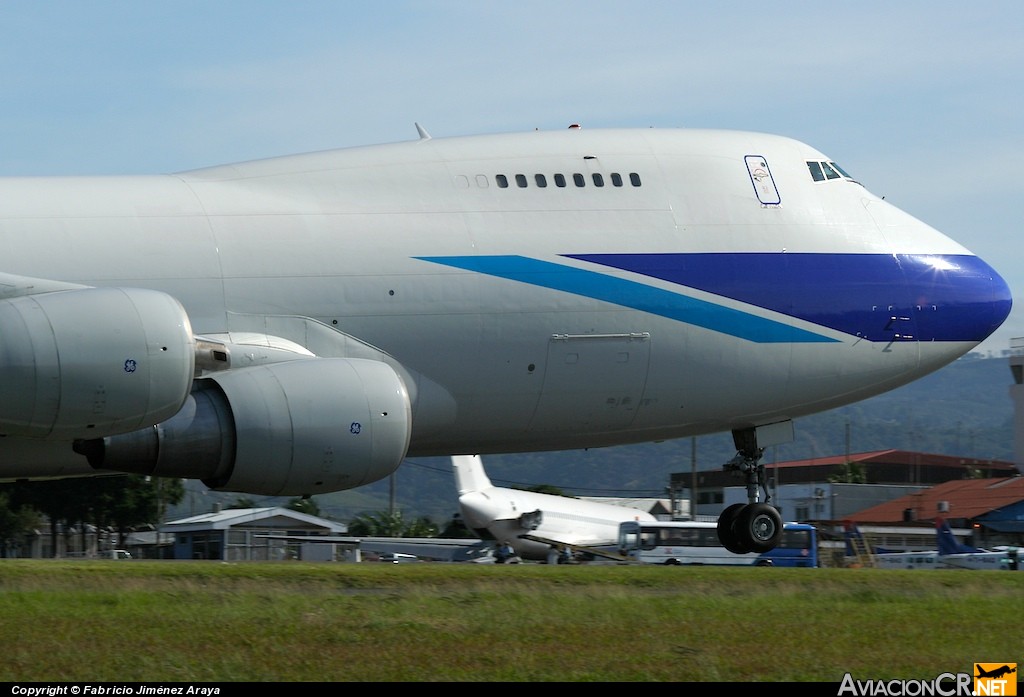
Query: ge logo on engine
(129, 366)
(356, 427)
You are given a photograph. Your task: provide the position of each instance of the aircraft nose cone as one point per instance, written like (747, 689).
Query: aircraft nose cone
(1003, 301)
(992, 305)
(958, 298)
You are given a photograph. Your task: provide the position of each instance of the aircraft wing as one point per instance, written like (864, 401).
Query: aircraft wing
(426, 548)
(600, 551)
(348, 539)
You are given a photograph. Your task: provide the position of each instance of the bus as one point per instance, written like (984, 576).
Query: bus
(693, 542)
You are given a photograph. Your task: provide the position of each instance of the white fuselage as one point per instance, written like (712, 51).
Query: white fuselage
(695, 291)
(514, 516)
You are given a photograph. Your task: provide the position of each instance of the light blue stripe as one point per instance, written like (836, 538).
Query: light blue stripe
(638, 296)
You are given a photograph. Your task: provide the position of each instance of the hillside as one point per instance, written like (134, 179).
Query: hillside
(964, 409)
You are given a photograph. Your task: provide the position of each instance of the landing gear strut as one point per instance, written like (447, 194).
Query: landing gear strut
(753, 526)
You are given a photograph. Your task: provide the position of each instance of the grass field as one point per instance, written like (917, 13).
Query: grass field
(294, 621)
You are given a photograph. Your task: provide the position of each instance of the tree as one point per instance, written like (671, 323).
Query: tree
(307, 506)
(129, 504)
(54, 498)
(549, 489)
(852, 473)
(382, 524)
(421, 527)
(14, 522)
(119, 502)
(456, 528)
(385, 524)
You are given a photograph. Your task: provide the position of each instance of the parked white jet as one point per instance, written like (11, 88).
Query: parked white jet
(535, 524)
(300, 325)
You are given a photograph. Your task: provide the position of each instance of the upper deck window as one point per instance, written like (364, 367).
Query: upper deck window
(580, 180)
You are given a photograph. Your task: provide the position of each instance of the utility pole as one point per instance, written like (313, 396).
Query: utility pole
(693, 475)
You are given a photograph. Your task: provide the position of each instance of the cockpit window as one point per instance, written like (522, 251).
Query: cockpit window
(840, 170)
(820, 171)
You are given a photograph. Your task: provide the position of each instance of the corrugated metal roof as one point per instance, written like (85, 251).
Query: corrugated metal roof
(231, 517)
(966, 499)
(893, 456)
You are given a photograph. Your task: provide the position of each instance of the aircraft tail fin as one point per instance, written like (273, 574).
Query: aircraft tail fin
(948, 544)
(469, 474)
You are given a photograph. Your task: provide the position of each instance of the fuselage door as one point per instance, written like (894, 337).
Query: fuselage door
(761, 178)
(593, 382)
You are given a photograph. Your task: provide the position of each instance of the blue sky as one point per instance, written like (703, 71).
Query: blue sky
(920, 101)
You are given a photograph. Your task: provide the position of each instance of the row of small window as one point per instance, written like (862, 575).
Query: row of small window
(560, 181)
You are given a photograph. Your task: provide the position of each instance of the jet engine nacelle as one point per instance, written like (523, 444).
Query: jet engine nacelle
(297, 428)
(92, 362)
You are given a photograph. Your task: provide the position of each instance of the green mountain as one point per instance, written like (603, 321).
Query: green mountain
(964, 409)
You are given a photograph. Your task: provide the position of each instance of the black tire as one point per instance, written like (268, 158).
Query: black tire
(726, 529)
(758, 527)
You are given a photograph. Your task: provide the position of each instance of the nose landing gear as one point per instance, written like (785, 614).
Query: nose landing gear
(753, 526)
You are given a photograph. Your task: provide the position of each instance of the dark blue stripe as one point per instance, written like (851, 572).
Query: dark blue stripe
(620, 291)
(932, 297)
